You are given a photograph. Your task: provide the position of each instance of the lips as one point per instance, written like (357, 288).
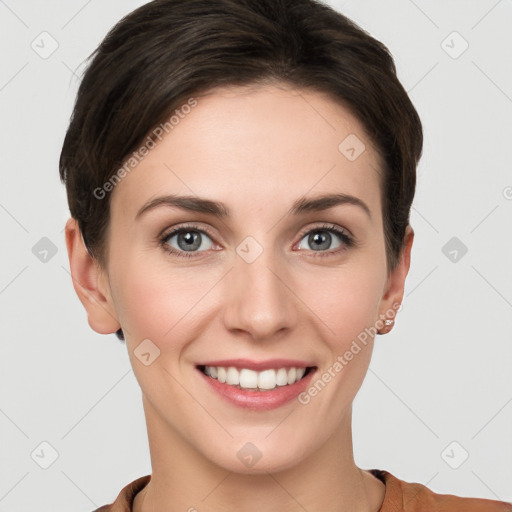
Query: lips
(257, 384)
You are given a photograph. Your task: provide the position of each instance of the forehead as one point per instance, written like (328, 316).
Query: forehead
(253, 147)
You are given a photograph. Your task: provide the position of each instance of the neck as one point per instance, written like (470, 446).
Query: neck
(184, 480)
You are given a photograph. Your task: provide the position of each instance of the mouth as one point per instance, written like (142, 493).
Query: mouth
(253, 380)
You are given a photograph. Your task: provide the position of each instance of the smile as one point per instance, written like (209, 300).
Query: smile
(257, 385)
(245, 378)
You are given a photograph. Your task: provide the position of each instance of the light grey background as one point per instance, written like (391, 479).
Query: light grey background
(438, 386)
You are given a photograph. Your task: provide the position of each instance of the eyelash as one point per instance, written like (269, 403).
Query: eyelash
(347, 240)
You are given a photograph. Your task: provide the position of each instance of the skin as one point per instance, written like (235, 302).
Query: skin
(257, 150)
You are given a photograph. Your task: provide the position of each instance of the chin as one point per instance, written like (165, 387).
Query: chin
(258, 456)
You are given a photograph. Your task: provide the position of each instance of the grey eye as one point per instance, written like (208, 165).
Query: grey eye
(189, 240)
(320, 240)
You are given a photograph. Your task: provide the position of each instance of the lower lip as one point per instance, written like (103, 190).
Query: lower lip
(259, 400)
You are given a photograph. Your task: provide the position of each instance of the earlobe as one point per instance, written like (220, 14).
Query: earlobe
(394, 293)
(90, 283)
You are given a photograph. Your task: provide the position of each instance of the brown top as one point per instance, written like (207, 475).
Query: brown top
(400, 496)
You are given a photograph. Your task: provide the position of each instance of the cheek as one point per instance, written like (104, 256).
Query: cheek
(347, 308)
(346, 301)
(159, 302)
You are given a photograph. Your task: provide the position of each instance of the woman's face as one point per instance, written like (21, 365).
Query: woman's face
(270, 285)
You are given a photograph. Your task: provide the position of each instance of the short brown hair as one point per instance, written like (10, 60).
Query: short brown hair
(169, 50)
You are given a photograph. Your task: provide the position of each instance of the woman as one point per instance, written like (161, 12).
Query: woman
(240, 176)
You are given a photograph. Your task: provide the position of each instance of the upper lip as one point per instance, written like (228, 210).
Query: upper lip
(259, 365)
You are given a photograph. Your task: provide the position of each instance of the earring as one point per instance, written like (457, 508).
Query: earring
(387, 323)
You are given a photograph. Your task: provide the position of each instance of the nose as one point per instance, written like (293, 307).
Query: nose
(258, 298)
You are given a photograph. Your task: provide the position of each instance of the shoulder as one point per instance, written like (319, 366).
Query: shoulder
(415, 497)
(124, 500)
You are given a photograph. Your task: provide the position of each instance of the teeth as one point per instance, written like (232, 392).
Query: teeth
(282, 377)
(249, 379)
(232, 376)
(267, 379)
(221, 374)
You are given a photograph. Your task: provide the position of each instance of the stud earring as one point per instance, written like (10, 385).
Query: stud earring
(387, 323)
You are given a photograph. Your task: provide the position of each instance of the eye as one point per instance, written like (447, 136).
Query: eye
(321, 239)
(186, 241)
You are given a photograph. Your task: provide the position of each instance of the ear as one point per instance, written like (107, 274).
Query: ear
(90, 282)
(394, 291)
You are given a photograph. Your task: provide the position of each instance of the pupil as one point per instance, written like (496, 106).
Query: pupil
(190, 240)
(319, 237)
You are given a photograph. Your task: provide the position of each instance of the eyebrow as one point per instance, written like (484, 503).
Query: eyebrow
(218, 209)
